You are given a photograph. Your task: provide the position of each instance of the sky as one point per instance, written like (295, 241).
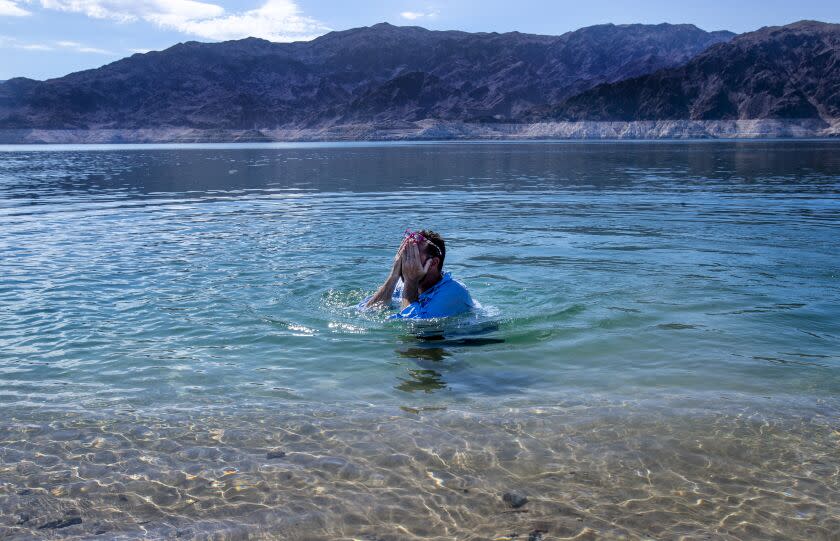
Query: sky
(42, 39)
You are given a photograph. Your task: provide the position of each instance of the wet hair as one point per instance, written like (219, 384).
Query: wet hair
(437, 241)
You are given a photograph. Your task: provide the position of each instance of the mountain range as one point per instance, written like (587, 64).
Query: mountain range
(790, 72)
(386, 81)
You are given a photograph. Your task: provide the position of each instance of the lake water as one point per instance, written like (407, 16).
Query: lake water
(657, 352)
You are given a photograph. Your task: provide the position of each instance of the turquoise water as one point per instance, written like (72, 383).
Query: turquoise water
(637, 299)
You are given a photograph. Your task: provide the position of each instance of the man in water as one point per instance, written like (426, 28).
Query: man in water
(427, 291)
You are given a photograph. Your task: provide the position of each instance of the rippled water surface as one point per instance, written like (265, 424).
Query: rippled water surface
(657, 352)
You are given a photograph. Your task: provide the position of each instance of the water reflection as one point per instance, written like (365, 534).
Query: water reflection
(424, 379)
(435, 355)
(427, 381)
(166, 345)
(166, 276)
(221, 172)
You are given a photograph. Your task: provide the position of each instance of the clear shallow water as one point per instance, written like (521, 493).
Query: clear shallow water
(660, 319)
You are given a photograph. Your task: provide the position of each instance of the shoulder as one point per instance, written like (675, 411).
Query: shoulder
(452, 288)
(453, 283)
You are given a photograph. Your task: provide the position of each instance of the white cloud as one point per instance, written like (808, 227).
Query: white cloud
(34, 47)
(414, 15)
(133, 10)
(7, 41)
(94, 50)
(9, 8)
(81, 47)
(14, 43)
(276, 20)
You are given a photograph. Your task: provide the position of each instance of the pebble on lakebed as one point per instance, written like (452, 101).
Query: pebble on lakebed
(515, 499)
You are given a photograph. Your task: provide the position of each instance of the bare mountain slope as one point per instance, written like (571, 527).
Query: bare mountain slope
(378, 74)
(788, 72)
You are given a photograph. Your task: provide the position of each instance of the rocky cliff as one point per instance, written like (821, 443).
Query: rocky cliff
(387, 82)
(788, 72)
(379, 75)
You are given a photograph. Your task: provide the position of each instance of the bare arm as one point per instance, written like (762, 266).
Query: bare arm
(410, 294)
(383, 295)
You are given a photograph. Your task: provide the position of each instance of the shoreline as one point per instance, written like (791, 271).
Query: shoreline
(433, 130)
(592, 470)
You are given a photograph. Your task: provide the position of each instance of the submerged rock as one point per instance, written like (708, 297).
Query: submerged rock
(61, 523)
(276, 453)
(536, 535)
(515, 499)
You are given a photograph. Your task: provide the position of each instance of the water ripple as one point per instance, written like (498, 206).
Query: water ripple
(143, 288)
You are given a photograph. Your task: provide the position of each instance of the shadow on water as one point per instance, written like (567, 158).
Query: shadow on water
(465, 341)
(431, 352)
(421, 380)
(426, 377)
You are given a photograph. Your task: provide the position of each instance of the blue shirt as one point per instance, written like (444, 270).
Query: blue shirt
(448, 297)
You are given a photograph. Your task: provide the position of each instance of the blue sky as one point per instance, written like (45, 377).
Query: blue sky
(49, 38)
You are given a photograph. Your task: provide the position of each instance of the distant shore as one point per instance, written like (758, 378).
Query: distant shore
(441, 130)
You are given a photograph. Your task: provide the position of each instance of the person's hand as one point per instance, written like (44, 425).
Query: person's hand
(382, 297)
(396, 267)
(413, 270)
